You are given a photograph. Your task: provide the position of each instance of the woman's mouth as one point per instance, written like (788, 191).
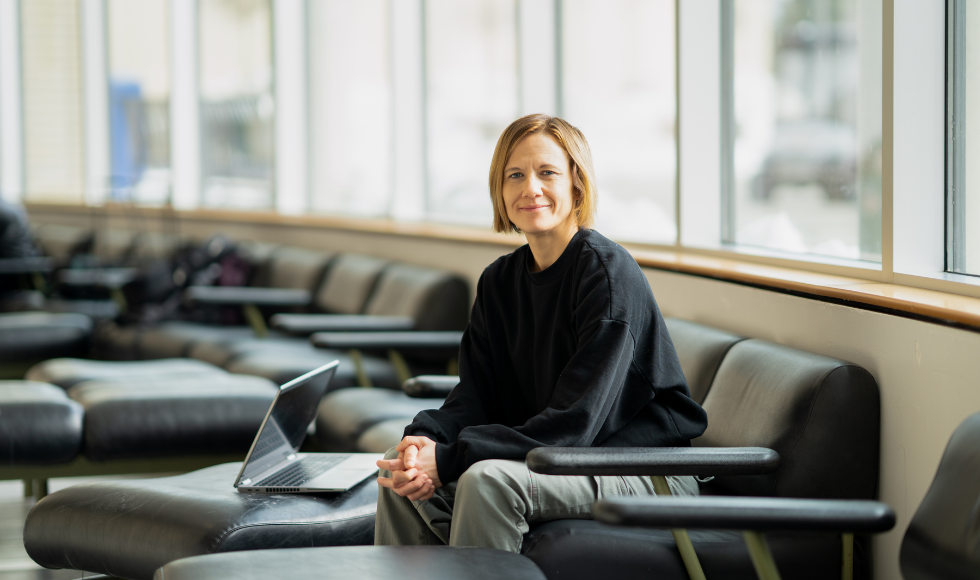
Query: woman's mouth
(534, 207)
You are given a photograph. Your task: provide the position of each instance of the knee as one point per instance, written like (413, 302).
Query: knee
(489, 478)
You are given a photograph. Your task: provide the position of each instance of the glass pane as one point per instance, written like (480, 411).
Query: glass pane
(53, 119)
(237, 107)
(807, 152)
(139, 100)
(350, 107)
(471, 97)
(965, 246)
(618, 88)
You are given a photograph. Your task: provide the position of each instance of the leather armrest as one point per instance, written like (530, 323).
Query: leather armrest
(747, 513)
(104, 277)
(24, 265)
(652, 460)
(445, 343)
(306, 324)
(430, 386)
(234, 295)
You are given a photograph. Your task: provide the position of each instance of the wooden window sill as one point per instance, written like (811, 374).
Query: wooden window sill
(897, 299)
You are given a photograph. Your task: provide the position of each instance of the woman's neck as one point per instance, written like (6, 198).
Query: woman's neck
(546, 247)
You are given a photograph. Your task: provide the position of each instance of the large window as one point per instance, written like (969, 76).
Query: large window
(618, 87)
(350, 107)
(139, 100)
(963, 144)
(237, 106)
(471, 97)
(54, 164)
(803, 129)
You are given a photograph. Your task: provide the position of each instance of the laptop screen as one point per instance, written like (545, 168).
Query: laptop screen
(286, 424)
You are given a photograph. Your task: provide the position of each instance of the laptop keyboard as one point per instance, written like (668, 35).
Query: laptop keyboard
(303, 470)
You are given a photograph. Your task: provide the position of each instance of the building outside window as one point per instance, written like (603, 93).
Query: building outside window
(618, 87)
(804, 126)
(237, 104)
(139, 100)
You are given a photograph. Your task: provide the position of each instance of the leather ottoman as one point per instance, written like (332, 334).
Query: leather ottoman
(129, 528)
(363, 563)
(39, 424)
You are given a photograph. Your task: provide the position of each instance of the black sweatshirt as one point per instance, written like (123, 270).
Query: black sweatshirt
(575, 356)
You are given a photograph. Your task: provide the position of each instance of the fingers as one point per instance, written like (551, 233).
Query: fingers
(391, 464)
(424, 492)
(406, 442)
(411, 454)
(386, 482)
(411, 487)
(402, 477)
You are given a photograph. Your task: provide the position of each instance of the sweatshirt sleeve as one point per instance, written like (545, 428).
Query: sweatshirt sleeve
(469, 402)
(588, 388)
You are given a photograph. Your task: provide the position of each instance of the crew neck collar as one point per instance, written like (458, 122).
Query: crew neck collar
(561, 264)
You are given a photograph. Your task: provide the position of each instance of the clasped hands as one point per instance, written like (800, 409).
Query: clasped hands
(413, 473)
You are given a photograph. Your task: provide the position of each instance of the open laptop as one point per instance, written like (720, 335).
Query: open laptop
(274, 464)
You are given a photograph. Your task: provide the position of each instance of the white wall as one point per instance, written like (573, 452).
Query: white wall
(928, 374)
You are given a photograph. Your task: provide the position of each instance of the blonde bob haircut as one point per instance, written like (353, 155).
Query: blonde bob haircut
(579, 160)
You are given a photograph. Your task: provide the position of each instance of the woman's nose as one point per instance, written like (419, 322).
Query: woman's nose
(534, 186)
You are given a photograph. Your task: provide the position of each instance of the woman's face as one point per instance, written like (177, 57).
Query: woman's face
(538, 190)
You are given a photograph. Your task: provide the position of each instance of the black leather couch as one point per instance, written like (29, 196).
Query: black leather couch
(819, 414)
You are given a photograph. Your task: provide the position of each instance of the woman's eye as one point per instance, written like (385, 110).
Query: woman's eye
(548, 172)
(516, 175)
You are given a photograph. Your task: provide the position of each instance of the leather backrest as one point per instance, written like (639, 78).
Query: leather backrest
(943, 539)
(821, 415)
(113, 244)
(700, 349)
(349, 283)
(259, 255)
(297, 268)
(436, 299)
(62, 242)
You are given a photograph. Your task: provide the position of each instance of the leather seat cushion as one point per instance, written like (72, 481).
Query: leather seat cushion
(283, 365)
(40, 335)
(129, 528)
(586, 549)
(39, 424)
(172, 417)
(700, 350)
(174, 339)
(114, 342)
(382, 436)
(361, 562)
(67, 372)
(347, 413)
(221, 352)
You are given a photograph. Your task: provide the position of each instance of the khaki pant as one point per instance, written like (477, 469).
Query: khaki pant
(494, 502)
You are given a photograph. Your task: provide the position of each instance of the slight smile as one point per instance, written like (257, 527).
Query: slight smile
(533, 207)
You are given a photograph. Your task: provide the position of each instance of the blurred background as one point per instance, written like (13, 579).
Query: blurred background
(391, 109)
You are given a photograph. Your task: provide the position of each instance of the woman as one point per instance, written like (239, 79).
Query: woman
(565, 347)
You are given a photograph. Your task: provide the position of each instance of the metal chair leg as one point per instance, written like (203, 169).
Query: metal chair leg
(28, 488)
(681, 537)
(357, 359)
(765, 566)
(254, 318)
(40, 489)
(847, 557)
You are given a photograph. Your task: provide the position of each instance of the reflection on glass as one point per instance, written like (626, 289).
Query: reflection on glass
(139, 100)
(350, 107)
(807, 152)
(471, 97)
(618, 88)
(237, 107)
